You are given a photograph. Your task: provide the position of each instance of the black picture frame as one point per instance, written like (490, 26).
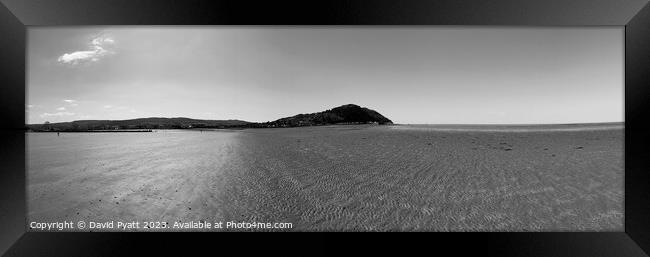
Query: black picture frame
(15, 15)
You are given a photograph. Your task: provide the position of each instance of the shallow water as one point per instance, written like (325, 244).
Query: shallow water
(548, 128)
(335, 178)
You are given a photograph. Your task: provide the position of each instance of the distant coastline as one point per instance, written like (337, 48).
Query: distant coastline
(345, 114)
(411, 127)
(348, 114)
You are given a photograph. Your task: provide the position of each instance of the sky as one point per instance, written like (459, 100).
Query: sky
(411, 75)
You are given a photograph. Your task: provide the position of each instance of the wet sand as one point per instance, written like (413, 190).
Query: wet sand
(337, 178)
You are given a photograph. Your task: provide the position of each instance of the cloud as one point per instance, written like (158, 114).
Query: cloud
(71, 103)
(108, 106)
(30, 107)
(56, 114)
(60, 109)
(100, 47)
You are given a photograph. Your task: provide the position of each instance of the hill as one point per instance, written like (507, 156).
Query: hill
(345, 114)
(142, 123)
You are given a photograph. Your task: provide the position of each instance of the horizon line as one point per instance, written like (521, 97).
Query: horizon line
(394, 123)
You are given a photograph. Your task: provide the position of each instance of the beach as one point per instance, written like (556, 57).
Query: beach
(337, 178)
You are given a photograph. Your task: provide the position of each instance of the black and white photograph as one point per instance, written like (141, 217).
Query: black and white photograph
(306, 128)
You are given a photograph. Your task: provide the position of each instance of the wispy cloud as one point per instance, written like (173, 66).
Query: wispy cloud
(60, 109)
(100, 47)
(29, 107)
(56, 114)
(71, 102)
(108, 106)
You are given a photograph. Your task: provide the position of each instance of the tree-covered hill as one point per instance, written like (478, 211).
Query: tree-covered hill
(346, 114)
